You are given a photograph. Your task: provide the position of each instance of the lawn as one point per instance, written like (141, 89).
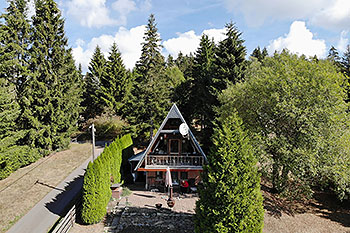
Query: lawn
(27, 186)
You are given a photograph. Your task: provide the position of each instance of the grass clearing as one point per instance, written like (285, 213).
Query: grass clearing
(28, 185)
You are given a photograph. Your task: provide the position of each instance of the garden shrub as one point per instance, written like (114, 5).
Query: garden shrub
(97, 180)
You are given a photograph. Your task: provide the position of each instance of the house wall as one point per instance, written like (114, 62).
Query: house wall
(152, 181)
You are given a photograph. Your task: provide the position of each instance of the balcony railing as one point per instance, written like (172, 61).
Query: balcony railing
(178, 161)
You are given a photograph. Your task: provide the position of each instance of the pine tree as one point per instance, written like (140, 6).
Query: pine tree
(230, 200)
(14, 44)
(230, 59)
(259, 54)
(333, 55)
(201, 94)
(92, 82)
(345, 67)
(115, 83)
(13, 154)
(51, 101)
(150, 95)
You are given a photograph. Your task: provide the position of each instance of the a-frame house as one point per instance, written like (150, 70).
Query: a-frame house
(170, 148)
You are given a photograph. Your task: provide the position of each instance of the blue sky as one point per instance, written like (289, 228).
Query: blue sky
(303, 26)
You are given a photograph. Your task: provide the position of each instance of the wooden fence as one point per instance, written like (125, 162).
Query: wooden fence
(66, 222)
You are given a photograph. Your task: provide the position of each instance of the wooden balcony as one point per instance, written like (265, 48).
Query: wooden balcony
(174, 161)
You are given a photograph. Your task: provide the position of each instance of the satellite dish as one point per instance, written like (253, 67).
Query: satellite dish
(183, 129)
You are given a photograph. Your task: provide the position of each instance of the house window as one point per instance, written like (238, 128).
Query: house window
(161, 146)
(184, 175)
(175, 177)
(174, 146)
(159, 175)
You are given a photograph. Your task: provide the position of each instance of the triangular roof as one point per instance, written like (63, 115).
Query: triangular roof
(173, 113)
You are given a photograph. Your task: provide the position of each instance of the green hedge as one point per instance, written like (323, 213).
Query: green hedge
(14, 157)
(97, 180)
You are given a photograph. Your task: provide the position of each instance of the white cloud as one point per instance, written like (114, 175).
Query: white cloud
(124, 7)
(90, 13)
(185, 42)
(146, 5)
(299, 40)
(343, 41)
(95, 13)
(337, 15)
(334, 14)
(188, 42)
(128, 42)
(256, 11)
(217, 34)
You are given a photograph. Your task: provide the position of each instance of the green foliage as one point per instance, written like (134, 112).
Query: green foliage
(51, 97)
(89, 212)
(294, 108)
(150, 96)
(14, 41)
(258, 54)
(230, 60)
(230, 200)
(115, 83)
(98, 177)
(107, 126)
(91, 97)
(12, 154)
(345, 68)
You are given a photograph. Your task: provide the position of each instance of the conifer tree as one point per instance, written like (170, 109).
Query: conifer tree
(14, 44)
(201, 94)
(259, 54)
(92, 82)
(115, 83)
(150, 95)
(345, 67)
(230, 59)
(13, 154)
(51, 101)
(230, 200)
(333, 55)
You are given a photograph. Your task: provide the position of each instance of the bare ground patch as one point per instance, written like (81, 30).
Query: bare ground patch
(28, 185)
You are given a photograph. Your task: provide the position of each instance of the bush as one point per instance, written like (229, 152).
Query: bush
(16, 157)
(107, 127)
(97, 180)
(230, 199)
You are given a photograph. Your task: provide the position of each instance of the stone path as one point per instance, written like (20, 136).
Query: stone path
(137, 213)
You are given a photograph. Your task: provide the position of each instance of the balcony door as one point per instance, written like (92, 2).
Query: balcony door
(174, 146)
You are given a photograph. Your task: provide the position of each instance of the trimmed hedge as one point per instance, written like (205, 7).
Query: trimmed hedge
(97, 180)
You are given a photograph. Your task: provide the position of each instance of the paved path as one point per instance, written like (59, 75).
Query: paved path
(45, 213)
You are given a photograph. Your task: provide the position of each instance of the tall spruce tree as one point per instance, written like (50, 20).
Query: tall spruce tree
(13, 154)
(333, 55)
(230, 59)
(115, 83)
(51, 101)
(150, 95)
(259, 54)
(14, 44)
(345, 67)
(201, 94)
(92, 82)
(230, 200)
